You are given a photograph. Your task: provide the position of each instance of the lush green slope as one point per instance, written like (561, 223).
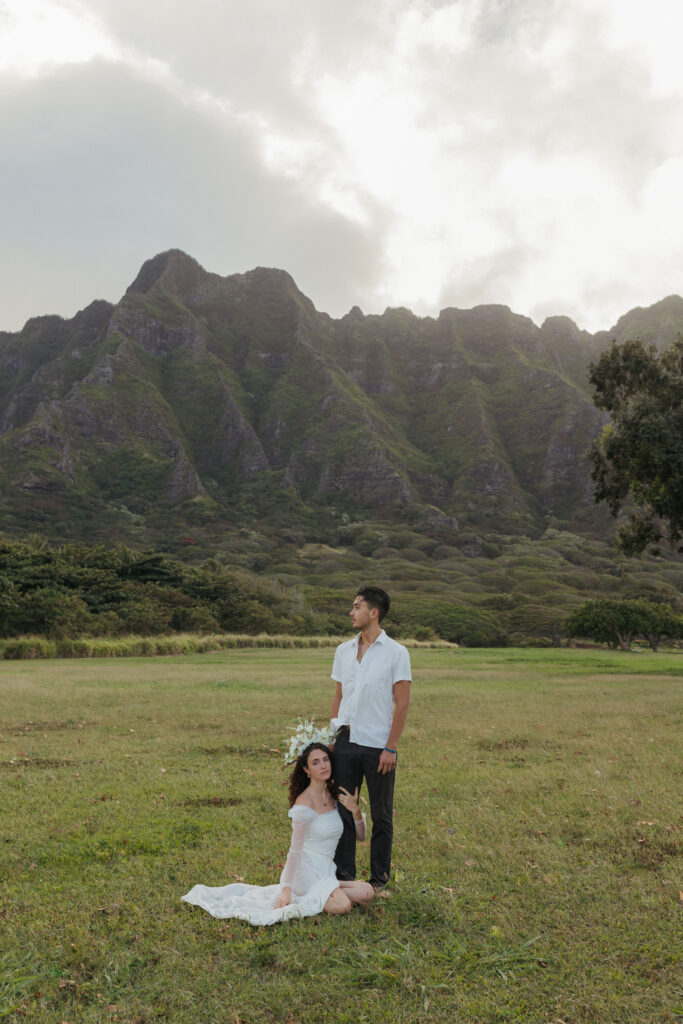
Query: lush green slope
(204, 415)
(194, 385)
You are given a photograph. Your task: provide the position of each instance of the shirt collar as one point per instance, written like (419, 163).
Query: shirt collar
(382, 636)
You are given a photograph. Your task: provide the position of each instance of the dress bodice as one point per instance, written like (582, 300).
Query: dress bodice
(322, 830)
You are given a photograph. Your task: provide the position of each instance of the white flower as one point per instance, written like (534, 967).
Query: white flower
(306, 732)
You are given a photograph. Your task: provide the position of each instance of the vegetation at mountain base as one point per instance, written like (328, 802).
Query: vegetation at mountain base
(640, 451)
(522, 594)
(76, 590)
(618, 623)
(272, 459)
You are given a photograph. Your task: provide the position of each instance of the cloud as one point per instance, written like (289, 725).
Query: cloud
(107, 168)
(409, 152)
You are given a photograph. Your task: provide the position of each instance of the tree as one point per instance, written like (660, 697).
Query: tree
(470, 627)
(8, 603)
(641, 450)
(618, 622)
(608, 622)
(660, 621)
(53, 613)
(537, 622)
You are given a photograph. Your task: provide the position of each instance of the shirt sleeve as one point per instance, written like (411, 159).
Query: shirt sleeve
(336, 668)
(301, 822)
(402, 665)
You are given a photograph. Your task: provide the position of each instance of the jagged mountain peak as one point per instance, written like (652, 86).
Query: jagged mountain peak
(671, 305)
(95, 314)
(659, 324)
(271, 285)
(563, 325)
(173, 267)
(493, 316)
(270, 275)
(355, 314)
(180, 276)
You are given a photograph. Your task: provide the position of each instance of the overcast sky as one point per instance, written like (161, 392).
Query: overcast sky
(421, 153)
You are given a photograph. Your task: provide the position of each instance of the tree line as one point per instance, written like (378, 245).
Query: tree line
(77, 590)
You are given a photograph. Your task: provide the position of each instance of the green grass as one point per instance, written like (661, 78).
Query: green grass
(536, 850)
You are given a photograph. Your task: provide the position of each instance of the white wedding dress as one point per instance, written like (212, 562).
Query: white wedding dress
(309, 872)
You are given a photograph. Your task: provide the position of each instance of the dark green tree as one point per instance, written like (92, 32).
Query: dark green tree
(617, 623)
(660, 622)
(640, 452)
(543, 622)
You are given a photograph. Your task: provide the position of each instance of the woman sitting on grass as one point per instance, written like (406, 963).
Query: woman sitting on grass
(308, 883)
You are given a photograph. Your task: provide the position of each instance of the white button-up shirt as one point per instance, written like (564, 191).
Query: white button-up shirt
(367, 703)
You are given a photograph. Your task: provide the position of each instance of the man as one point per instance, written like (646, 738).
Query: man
(369, 710)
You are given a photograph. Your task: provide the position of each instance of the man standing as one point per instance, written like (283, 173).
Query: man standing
(369, 710)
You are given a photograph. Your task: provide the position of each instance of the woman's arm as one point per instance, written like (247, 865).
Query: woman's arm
(291, 868)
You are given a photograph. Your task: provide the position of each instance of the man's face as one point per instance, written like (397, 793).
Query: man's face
(361, 614)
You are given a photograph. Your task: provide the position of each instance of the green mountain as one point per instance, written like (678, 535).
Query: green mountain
(234, 398)
(199, 398)
(226, 421)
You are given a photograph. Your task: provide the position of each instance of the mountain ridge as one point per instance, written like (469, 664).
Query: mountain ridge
(223, 399)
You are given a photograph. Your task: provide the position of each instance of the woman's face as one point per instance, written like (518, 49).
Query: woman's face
(319, 765)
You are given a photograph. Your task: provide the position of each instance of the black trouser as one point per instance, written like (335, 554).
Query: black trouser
(352, 764)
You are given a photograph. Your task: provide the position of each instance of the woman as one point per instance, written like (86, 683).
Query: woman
(308, 883)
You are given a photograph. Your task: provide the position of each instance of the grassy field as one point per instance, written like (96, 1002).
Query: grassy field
(536, 853)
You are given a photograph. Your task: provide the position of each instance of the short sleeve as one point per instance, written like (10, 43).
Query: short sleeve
(402, 665)
(336, 668)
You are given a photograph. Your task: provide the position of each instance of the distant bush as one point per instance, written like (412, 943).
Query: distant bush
(459, 624)
(537, 623)
(29, 647)
(618, 623)
(415, 555)
(444, 551)
(385, 552)
(424, 633)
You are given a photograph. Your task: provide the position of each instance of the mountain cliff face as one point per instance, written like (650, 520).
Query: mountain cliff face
(233, 398)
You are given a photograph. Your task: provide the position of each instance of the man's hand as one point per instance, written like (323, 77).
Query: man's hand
(387, 763)
(285, 897)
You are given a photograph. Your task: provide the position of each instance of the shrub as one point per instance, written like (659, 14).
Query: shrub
(470, 627)
(29, 647)
(618, 622)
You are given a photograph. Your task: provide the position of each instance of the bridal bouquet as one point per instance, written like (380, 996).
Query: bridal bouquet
(306, 732)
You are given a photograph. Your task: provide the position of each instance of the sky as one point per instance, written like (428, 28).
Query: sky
(418, 153)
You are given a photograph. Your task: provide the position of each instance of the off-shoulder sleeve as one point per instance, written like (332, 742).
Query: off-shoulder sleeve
(301, 822)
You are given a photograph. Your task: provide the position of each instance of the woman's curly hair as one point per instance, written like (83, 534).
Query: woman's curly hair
(299, 780)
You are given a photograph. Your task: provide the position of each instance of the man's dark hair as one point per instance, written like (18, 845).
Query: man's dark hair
(375, 597)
